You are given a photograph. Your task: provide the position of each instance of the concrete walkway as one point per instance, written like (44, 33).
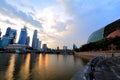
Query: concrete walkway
(79, 75)
(107, 68)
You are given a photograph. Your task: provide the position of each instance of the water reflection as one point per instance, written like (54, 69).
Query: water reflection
(38, 66)
(10, 69)
(25, 69)
(4, 62)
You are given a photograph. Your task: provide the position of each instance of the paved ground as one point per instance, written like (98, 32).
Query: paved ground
(108, 69)
(79, 75)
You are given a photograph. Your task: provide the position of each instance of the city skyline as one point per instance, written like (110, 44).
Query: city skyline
(62, 22)
(9, 38)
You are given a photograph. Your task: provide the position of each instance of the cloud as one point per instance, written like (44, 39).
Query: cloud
(90, 15)
(8, 22)
(8, 10)
(59, 26)
(55, 22)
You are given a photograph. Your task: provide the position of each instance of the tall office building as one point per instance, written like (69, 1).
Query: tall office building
(0, 38)
(44, 47)
(34, 40)
(9, 37)
(28, 41)
(57, 47)
(4, 41)
(8, 31)
(38, 44)
(0, 33)
(74, 47)
(23, 36)
(64, 47)
(11, 34)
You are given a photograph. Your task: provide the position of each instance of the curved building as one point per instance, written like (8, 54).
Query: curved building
(97, 35)
(111, 30)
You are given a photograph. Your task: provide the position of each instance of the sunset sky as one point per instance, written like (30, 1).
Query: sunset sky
(59, 22)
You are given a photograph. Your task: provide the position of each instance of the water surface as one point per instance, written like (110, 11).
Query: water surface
(38, 66)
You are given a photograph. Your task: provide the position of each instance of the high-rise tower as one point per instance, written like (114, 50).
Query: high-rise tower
(34, 40)
(9, 37)
(8, 31)
(38, 44)
(74, 47)
(28, 41)
(11, 34)
(23, 36)
(0, 33)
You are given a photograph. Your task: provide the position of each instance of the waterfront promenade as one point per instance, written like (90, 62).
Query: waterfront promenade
(107, 68)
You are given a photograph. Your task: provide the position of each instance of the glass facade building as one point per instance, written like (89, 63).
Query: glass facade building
(97, 35)
(23, 36)
(34, 40)
(44, 47)
(0, 43)
(28, 41)
(12, 36)
(8, 31)
(38, 44)
(4, 41)
(74, 47)
(0, 33)
(104, 32)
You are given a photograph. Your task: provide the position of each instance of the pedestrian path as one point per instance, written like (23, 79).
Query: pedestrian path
(107, 68)
(79, 75)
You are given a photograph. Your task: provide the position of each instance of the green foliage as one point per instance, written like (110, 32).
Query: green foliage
(101, 45)
(77, 50)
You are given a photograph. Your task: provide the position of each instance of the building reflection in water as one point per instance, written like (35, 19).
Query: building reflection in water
(43, 61)
(40, 68)
(25, 69)
(9, 72)
(43, 65)
(4, 62)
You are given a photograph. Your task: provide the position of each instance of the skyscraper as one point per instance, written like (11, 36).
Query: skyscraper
(8, 31)
(64, 47)
(28, 41)
(0, 33)
(44, 47)
(74, 47)
(38, 44)
(23, 36)
(34, 40)
(9, 37)
(0, 39)
(11, 34)
(4, 41)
